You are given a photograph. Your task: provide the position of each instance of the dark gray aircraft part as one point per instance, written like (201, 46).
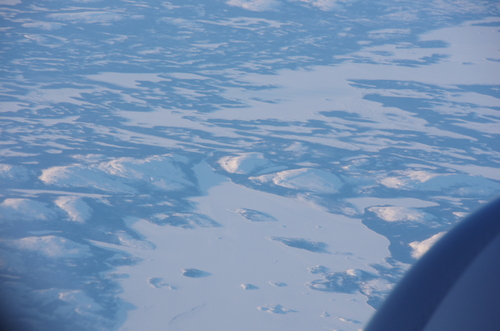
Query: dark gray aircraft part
(454, 286)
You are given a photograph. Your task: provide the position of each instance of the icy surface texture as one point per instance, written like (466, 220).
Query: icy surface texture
(237, 164)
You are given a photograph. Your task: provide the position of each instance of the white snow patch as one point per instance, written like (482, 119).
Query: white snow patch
(377, 285)
(314, 180)
(161, 172)
(419, 248)
(82, 176)
(298, 148)
(399, 214)
(244, 163)
(77, 209)
(407, 178)
(275, 309)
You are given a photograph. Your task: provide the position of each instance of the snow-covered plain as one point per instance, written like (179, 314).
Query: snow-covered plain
(236, 165)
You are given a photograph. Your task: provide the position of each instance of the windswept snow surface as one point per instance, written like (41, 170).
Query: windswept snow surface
(158, 172)
(400, 214)
(419, 248)
(77, 209)
(236, 165)
(310, 180)
(244, 163)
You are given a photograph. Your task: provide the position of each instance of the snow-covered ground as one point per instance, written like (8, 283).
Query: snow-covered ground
(236, 165)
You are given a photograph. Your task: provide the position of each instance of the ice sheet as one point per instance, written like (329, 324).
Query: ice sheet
(238, 252)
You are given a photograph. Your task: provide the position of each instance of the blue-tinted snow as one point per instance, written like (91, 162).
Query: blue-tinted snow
(195, 273)
(308, 245)
(157, 172)
(184, 220)
(158, 282)
(135, 136)
(309, 180)
(353, 281)
(76, 207)
(278, 284)
(419, 248)
(245, 163)
(255, 215)
(275, 309)
(319, 269)
(249, 287)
